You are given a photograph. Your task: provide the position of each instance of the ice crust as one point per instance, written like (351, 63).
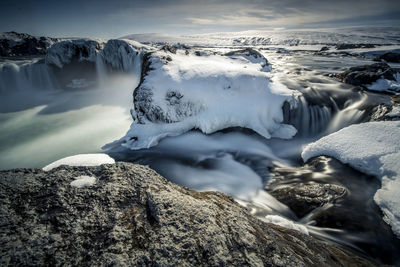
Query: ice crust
(181, 92)
(373, 148)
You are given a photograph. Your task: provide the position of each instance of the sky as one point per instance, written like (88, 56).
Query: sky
(116, 18)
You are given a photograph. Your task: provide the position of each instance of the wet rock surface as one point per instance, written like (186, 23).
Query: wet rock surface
(389, 57)
(325, 193)
(22, 44)
(367, 74)
(132, 216)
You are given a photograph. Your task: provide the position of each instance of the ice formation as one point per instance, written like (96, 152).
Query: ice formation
(81, 160)
(372, 148)
(184, 91)
(386, 85)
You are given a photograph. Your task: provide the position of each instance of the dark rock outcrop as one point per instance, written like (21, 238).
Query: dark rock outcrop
(367, 74)
(22, 44)
(132, 216)
(352, 46)
(389, 57)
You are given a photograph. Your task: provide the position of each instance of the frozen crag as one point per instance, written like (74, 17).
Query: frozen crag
(180, 91)
(372, 148)
(73, 50)
(22, 44)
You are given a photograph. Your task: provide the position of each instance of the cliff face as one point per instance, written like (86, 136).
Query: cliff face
(127, 214)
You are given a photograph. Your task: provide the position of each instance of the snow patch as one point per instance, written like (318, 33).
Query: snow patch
(83, 181)
(386, 85)
(81, 160)
(372, 148)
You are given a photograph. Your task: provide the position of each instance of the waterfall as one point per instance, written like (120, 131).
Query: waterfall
(29, 76)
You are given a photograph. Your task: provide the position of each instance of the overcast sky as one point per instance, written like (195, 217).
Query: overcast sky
(110, 19)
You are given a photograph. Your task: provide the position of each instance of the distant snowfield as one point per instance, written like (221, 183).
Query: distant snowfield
(376, 35)
(372, 148)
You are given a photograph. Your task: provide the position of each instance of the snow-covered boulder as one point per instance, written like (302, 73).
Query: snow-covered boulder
(372, 148)
(181, 91)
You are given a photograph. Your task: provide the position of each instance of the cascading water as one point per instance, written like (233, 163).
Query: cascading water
(236, 161)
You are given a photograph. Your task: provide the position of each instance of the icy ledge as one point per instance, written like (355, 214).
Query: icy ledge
(373, 148)
(181, 91)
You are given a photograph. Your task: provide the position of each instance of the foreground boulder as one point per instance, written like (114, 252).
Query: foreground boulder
(127, 214)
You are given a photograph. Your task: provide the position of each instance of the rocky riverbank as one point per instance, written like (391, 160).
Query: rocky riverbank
(125, 214)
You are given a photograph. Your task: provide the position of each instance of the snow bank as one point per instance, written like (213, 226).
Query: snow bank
(278, 220)
(83, 181)
(373, 148)
(81, 160)
(184, 91)
(386, 85)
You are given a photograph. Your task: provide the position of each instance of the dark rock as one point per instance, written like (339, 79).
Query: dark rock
(324, 48)
(328, 194)
(352, 46)
(169, 48)
(367, 74)
(22, 44)
(389, 57)
(133, 217)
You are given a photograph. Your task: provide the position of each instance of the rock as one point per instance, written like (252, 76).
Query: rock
(389, 57)
(132, 216)
(367, 74)
(352, 46)
(324, 48)
(22, 44)
(326, 193)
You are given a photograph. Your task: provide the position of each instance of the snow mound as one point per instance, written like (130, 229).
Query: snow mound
(373, 148)
(278, 220)
(184, 91)
(83, 181)
(81, 160)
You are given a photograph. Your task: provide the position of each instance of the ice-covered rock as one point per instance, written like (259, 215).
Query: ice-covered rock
(22, 44)
(69, 51)
(376, 77)
(182, 91)
(372, 148)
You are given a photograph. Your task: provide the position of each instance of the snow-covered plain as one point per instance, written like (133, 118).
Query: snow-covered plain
(372, 148)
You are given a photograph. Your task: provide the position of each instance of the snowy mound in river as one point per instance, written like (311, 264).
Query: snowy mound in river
(181, 91)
